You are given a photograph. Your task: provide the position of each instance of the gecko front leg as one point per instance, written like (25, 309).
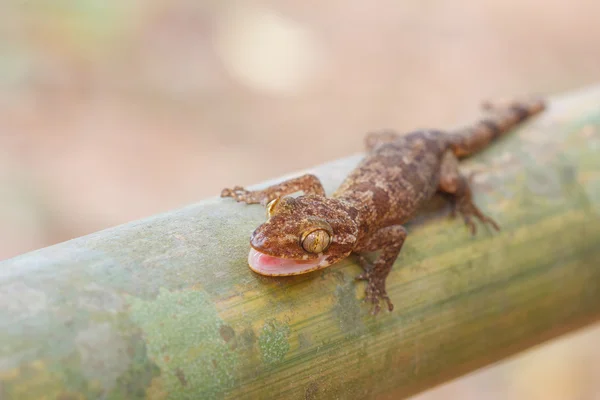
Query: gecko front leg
(389, 240)
(309, 184)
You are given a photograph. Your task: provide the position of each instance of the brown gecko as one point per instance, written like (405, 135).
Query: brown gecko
(365, 214)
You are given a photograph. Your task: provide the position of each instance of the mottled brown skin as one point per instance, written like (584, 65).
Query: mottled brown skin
(366, 213)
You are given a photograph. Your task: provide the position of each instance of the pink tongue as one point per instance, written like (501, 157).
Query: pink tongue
(268, 265)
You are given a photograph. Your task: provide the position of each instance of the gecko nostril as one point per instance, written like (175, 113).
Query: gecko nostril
(258, 239)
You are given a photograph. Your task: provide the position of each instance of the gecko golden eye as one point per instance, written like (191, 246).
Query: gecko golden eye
(271, 206)
(315, 241)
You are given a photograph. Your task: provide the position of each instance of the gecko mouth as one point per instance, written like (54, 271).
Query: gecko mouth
(265, 264)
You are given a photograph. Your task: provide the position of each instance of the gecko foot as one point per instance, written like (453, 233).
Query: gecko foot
(468, 210)
(375, 290)
(239, 194)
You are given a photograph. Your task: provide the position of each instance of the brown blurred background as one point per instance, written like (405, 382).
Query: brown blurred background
(112, 110)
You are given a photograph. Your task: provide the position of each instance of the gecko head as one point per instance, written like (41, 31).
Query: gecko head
(302, 234)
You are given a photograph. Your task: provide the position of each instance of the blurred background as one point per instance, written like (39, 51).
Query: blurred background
(112, 110)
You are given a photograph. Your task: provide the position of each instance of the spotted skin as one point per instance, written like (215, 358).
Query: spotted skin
(367, 212)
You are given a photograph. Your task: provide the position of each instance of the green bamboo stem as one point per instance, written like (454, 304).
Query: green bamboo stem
(166, 307)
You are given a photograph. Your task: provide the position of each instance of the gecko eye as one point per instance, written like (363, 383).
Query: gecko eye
(315, 241)
(271, 206)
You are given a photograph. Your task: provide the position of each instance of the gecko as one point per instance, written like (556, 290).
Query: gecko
(399, 173)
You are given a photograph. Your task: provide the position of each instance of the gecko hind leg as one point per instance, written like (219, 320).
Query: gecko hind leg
(389, 240)
(455, 187)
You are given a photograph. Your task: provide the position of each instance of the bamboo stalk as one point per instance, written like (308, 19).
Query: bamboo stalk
(166, 307)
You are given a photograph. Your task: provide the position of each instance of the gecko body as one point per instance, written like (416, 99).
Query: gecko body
(365, 214)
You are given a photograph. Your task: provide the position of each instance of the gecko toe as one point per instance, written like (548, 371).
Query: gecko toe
(485, 219)
(470, 210)
(470, 224)
(375, 293)
(238, 193)
(388, 301)
(493, 223)
(376, 309)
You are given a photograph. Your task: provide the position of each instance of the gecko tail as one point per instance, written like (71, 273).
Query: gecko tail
(472, 139)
